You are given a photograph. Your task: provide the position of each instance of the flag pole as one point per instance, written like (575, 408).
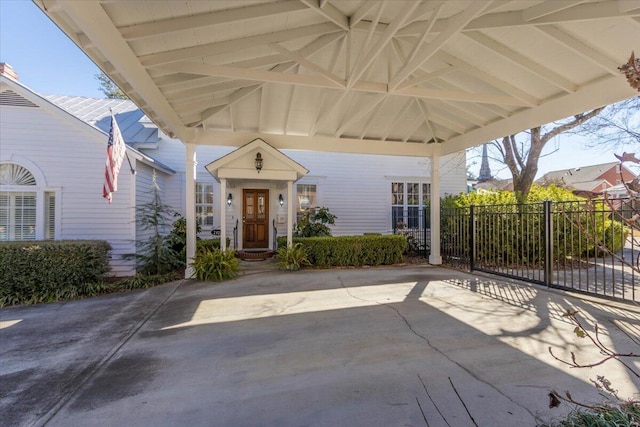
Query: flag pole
(133, 171)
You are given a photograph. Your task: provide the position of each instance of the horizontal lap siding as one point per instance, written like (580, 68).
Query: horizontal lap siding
(355, 187)
(73, 161)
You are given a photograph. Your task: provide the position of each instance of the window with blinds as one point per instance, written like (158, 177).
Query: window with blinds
(17, 216)
(19, 207)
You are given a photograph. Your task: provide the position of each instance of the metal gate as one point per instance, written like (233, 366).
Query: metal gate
(585, 246)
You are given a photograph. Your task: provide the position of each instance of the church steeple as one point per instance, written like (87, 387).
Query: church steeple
(485, 171)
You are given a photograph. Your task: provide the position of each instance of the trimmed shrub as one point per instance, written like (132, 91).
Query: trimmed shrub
(343, 251)
(43, 271)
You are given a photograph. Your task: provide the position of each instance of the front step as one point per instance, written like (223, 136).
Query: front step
(255, 254)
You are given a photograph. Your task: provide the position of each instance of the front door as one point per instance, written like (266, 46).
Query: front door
(255, 219)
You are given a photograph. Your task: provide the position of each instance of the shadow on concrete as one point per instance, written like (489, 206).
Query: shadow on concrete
(378, 346)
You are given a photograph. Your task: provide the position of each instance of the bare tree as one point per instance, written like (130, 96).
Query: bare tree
(616, 127)
(522, 157)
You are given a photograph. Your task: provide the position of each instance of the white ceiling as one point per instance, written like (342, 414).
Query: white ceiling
(388, 77)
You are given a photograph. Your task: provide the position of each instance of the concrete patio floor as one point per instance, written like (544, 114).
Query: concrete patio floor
(398, 346)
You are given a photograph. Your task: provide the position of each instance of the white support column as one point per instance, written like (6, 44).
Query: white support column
(223, 214)
(290, 213)
(435, 257)
(190, 206)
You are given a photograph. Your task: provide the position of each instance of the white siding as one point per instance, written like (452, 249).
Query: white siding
(355, 187)
(72, 160)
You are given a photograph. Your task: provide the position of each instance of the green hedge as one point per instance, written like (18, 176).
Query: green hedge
(345, 251)
(29, 270)
(512, 233)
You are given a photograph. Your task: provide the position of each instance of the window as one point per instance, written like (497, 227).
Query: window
(19, 211)
(307, 198)
(408, 200)
(204, 204)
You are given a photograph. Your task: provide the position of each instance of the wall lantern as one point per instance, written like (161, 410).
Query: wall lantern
(281, 200)
(229, 199)
(258, 162)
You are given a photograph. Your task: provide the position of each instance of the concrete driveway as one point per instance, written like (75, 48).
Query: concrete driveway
(399, 346)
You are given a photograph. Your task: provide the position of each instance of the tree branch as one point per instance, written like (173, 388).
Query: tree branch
(578, 119)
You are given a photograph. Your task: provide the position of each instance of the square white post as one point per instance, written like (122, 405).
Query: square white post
(223, 214)
(290, 210)
(435, 257)
(190, 207)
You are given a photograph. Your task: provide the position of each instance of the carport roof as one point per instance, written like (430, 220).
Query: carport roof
(384, 77)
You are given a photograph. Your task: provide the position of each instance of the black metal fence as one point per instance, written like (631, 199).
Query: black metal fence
(586, 246)
(413, 223)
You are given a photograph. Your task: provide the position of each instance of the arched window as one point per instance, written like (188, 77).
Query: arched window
(19, 193)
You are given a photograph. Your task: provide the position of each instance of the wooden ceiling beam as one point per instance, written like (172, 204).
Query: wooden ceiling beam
(191, 22)
(456, 23)
(329, 11)
(212, 49)
(522, 61)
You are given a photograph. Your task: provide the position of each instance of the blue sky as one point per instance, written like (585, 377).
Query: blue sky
(49, 63)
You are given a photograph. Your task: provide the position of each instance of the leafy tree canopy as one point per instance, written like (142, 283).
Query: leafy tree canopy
(109, 88)
(536, 195)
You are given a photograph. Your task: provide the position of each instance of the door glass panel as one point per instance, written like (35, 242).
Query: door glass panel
(249, 212)
(261, 209)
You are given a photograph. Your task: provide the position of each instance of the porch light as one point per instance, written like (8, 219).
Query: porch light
(281, 200)
(229, 199)
(258, 162)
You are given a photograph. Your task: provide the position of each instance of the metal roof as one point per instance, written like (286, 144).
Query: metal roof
(135, 126)
(386, 77)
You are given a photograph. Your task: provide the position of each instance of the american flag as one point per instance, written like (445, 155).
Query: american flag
(116, 151)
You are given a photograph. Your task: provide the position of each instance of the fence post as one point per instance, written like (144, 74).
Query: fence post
(472, 238)
(548, 240)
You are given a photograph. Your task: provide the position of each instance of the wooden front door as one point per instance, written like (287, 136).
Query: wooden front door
(255, 219)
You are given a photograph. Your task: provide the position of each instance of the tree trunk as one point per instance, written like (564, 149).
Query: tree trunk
(523, 164)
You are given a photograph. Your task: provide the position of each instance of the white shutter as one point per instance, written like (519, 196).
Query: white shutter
(4, 217)
(50, 216)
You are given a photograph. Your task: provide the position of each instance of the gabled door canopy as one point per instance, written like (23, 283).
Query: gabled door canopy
(240, 164)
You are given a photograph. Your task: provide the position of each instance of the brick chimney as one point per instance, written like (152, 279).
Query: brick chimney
(7, 71)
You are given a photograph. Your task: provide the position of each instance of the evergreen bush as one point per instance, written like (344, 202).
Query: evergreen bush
(345, 251)
(585, 225)
(315, 222)
(42, 271)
